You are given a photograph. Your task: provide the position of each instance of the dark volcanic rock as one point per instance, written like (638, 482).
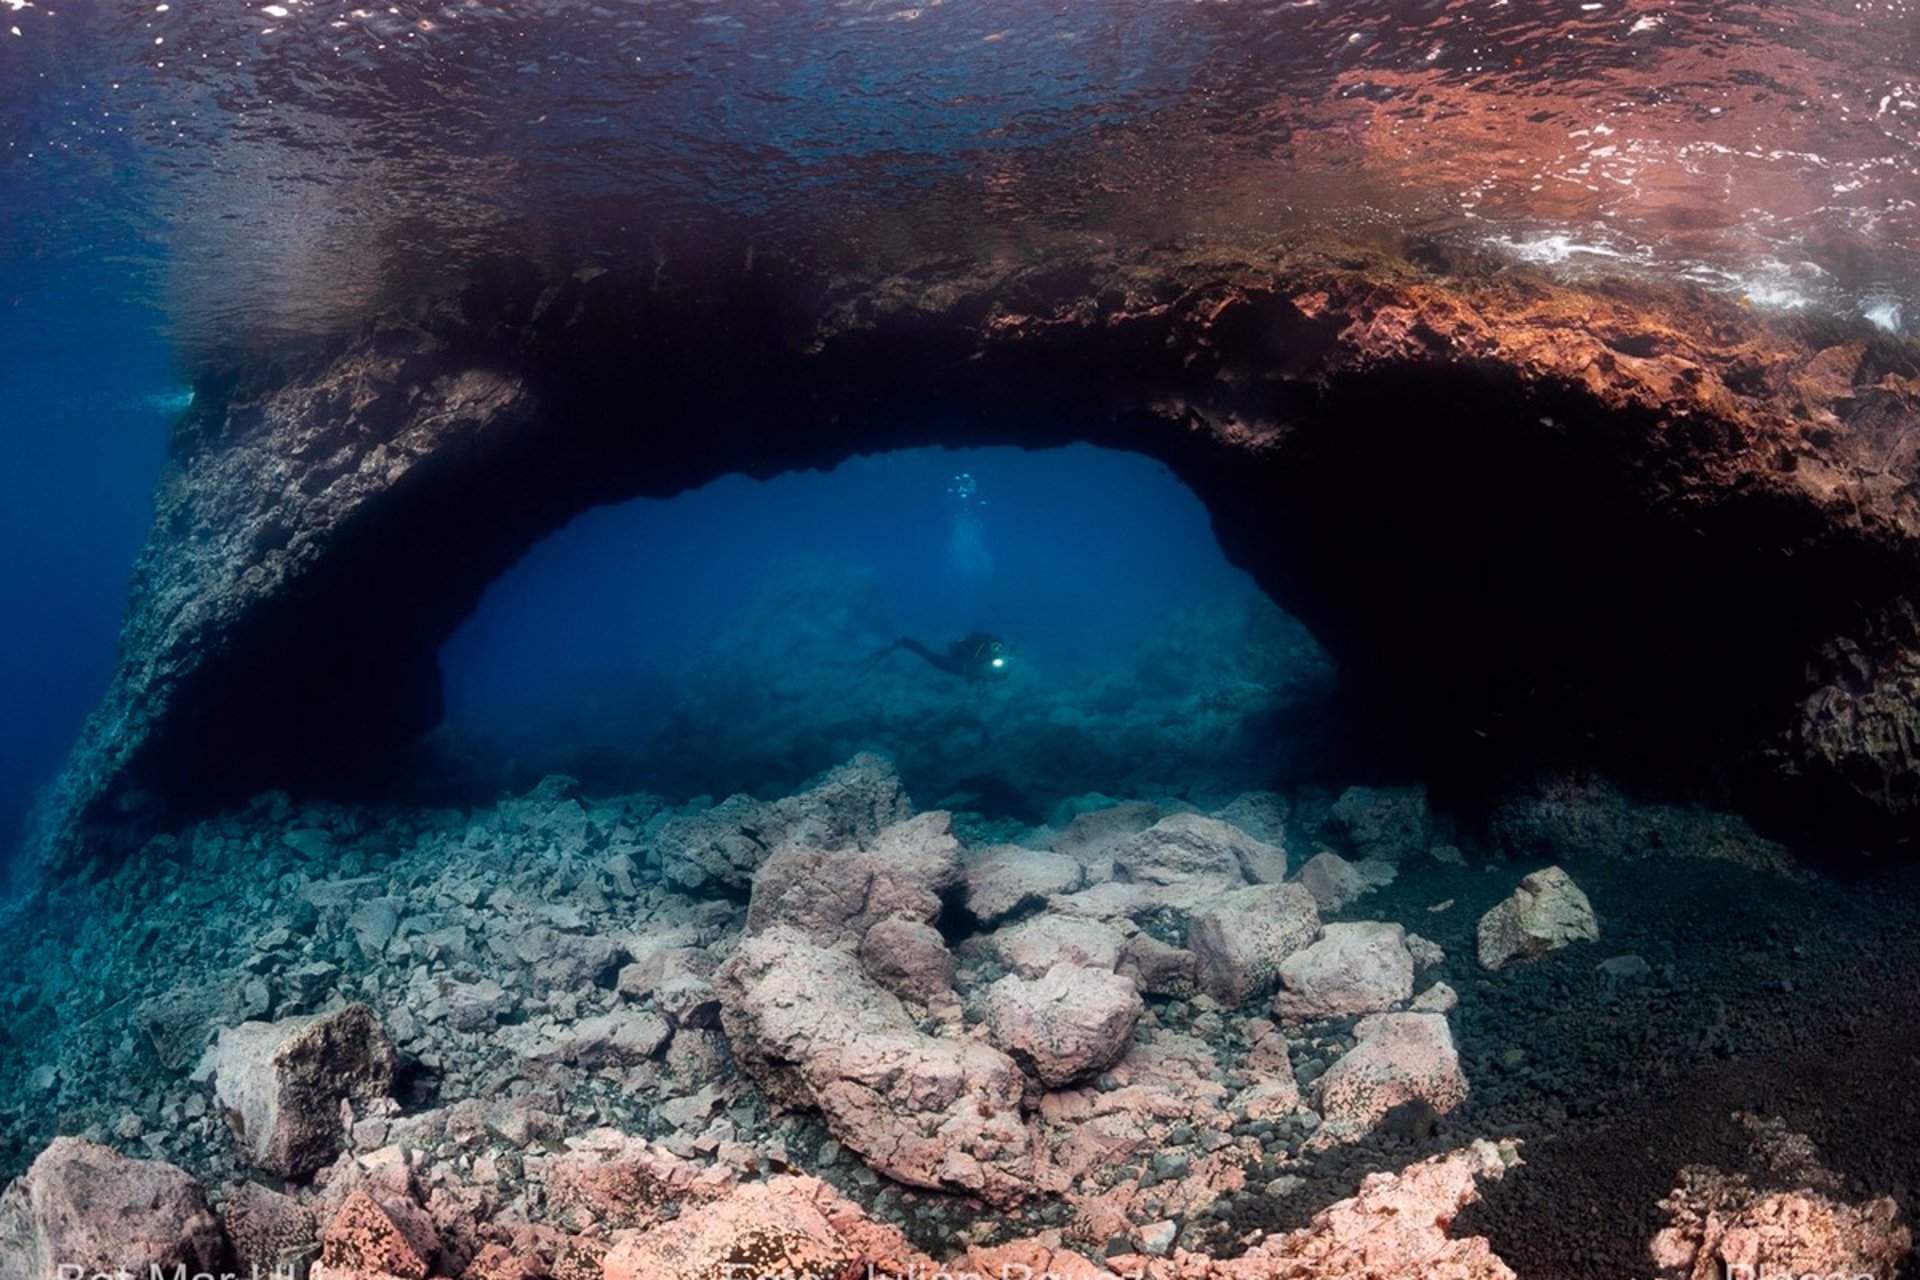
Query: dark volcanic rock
(1528, 521)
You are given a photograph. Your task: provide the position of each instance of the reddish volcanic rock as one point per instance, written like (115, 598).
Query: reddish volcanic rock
(835, 895)
(615, 1181)
(789, 1226)
(909, 959)
(1400, 1057)
(1007, 879)
(364, 1236)
(1363, 967)
(1395, 1228)
(86, 1206)
(929, 1111)
(1068, 1023)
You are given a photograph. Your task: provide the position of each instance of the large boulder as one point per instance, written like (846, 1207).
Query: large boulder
(1384, 822)
(1034, 946)
(1400, 1058)
(836, 895)
(816, 1033)
(281, 1084)
(83, 1209)
(1335, 882)
(1067, 1024)
(1353, 968)
(1159, 968)
(1092, 833)
(1394, 1228)
(720, 849)
(1007, 880)
(1190, 857)
(614, 1181)
(909, 959)
(1548, 911)
(367, 1236)
(1241, 937)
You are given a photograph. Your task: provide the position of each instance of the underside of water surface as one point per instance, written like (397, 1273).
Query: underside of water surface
(1116, 642)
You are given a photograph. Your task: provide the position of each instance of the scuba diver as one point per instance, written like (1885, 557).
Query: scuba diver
(976, 658)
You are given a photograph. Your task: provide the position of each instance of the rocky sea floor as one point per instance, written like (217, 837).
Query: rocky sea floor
(1146, 1038)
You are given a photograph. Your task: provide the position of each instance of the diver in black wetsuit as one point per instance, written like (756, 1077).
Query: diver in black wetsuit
(976, 658)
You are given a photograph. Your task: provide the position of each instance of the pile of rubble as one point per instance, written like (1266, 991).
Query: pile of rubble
(527, 1041)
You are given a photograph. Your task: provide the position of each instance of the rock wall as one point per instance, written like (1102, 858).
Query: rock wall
(1531, 523)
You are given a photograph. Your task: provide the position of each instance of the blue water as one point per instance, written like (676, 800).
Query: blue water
(1076, 556)
(86, 390)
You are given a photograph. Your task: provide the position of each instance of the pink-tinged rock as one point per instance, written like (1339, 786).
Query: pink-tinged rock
(1166, 1081)
(1392, 823)
(1400, 1057)
(1548, 911)
(1159, 969)
(1034, 946)
(932, 1112)
(836, 895)
(266, 1228)
(1241, 938)
(1007, 879)
(1267, 1050)
(1332, 880)
(786, 1227)
(618, 1182)
(86, 1206)
(1189, 857)
(281, 1084)
(1395, 1228)
(364, 1236)
(499, 1262)
(688, 1001)
(1438, 998)
(1270, 1098)
(1030, 1259)
(909, 959)
(1070, 1023)
(1353, 968)
(1721, 1226)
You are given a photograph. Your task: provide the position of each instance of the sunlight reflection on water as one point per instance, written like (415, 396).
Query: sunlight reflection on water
(290, 165)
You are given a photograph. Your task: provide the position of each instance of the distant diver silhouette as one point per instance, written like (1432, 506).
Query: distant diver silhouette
(976, 658)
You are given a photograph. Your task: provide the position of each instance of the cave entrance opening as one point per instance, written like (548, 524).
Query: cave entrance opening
(745, 636)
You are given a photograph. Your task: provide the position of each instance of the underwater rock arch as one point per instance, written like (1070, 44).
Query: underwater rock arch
(1631, 527)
